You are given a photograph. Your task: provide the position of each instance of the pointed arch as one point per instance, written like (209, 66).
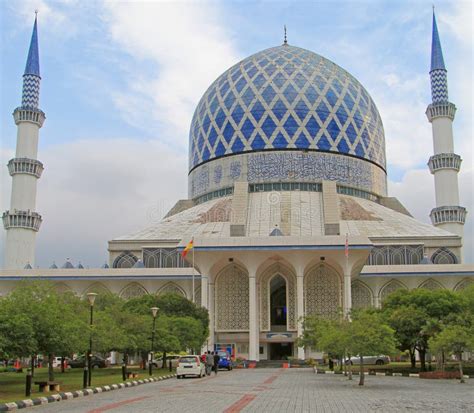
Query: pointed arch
(289, 276)
(431, 284)
(171, 287)
(390, 287)
(98, 288)
(125, 260)
(232, 299)
(362, 296)
(444, 256)
(323, 291)
(62, 288)
(133, 290)
(461, 285)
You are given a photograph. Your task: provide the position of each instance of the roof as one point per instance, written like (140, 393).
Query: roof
(297, 213)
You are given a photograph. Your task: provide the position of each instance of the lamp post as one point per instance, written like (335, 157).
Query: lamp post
(154, 312)
(91, 297)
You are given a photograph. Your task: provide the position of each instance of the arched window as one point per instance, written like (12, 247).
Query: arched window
(232, 299)
(389, 288)
(125, 260)
(444, 256)
(171, 288)
(97, 288)
(431, 284)
(467, 282)
(323, 292)
(361, 295)
(133, 290)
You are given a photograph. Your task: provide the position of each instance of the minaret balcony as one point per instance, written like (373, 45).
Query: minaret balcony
(444, 161)
(22, 219)
(440, 110)
(448, 214)
(25, 166)
(25, 114)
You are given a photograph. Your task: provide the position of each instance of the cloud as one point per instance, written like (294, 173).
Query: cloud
(94, 190)
(186, 46)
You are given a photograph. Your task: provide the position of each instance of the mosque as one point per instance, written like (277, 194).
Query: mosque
(287, 208)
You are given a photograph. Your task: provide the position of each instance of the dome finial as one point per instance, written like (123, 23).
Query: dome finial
(285, 41)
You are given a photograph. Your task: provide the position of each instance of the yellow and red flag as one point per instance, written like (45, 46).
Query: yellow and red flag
(346, 247)
(188, 247)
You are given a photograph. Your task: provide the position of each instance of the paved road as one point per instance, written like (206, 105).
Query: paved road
(278, 390)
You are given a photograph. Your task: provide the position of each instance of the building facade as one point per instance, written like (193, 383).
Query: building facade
(288, 208)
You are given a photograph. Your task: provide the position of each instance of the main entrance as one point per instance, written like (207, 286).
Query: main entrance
(280, 351)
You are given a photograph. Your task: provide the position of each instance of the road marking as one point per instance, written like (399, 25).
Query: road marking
(240, 404)
(118, 404)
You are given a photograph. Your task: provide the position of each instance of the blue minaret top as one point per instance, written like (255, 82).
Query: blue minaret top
(32, 63)
(437, 61)
(31, 77)
(438, 73)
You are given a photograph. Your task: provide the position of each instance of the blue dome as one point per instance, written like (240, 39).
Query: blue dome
(286, 98)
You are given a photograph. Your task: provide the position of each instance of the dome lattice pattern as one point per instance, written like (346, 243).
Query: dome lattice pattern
(286, 98)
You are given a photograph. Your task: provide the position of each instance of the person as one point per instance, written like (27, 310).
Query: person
(216, 361)
(209, 363)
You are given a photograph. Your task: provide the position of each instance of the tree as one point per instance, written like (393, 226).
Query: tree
(430, 310)
(369, 334)
(454, 339)
(54, 325)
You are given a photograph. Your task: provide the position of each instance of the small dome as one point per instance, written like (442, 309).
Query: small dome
(139, 264)
(105, 265)
(28, 267)
(67, 264)
(80, 266)
(53, 266)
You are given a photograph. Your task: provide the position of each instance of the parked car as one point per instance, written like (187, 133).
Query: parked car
(174, 361)
(81, 361)
(378, 360)
(190, 366)
(225, 362)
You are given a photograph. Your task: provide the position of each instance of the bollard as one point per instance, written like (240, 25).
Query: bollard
(171, 369)
(29, 377)
(85, 378)
(124, 372)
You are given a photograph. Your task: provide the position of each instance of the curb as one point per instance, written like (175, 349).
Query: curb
(21, 404)
(366, 373)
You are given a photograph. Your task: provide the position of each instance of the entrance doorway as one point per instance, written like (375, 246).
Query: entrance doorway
(281, 351)
(278, 308)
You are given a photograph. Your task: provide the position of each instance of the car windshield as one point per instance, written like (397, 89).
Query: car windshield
(187, 360)
(222, 354)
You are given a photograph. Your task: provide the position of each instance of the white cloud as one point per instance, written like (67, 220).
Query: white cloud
(94, 190)
(186, 46)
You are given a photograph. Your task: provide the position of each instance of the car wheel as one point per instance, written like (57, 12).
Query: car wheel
(94, 366)
(379, 363)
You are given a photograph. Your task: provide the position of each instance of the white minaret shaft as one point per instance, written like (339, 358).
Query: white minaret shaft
(444, 164)
(21, 221)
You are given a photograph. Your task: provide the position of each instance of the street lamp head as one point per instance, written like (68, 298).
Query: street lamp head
(91, 297)
(154, 311)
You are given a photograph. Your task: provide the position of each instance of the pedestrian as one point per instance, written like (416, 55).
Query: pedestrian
(216, 361)
(209, 363)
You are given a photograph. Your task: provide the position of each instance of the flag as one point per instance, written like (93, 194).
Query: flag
(346, 248)
(188, 247)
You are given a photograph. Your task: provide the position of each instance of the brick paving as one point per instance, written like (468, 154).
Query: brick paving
(279, 390)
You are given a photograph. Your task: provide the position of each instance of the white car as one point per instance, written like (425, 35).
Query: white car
(378, 360)
(190, 366)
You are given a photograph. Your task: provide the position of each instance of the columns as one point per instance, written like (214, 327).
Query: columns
(212, 315)
(300, 309)
(347, 292)
(253, 333)
(204, 292)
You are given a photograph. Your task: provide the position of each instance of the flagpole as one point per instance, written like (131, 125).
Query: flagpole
(194, 298)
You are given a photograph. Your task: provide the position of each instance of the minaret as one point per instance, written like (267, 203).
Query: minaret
(444, 164)
(22, 222)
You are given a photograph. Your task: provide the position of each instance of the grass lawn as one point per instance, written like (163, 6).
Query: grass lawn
(12, 385)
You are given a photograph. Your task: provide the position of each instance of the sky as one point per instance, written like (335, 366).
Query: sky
(120, 82)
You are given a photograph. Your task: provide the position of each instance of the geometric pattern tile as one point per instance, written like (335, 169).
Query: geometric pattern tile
(439, 86)
(31, 90)
(286, 97)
